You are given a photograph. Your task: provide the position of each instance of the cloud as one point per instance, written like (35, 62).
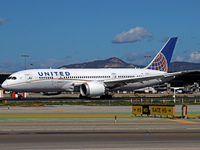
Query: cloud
(179, 58)
(186, 51)
(133, 35)
(165, 39)
(50, 63)
(194, 57)
(130, 57)
(138, 58)
(9, 66)
(68, 57)
(2, 21)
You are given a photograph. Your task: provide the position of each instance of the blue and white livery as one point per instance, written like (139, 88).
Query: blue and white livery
(94, 82)
(162, 60)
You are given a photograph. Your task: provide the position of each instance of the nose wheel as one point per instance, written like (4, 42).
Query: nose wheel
(20, 96)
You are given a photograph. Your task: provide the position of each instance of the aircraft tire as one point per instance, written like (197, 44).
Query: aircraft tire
(106, 97)
(83, 97)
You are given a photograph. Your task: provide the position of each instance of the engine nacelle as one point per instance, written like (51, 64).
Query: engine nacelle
(90, 89)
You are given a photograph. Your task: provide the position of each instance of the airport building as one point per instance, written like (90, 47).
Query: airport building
(187, 83)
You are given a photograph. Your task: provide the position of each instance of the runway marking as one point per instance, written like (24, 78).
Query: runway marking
(64, 114)
(157, 134)
(97, 135)
(65, 123)
(71, 135)
(61, 111)
(185, 122)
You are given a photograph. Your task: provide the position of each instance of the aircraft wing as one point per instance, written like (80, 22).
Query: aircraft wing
(182, 72)
(112, 83)
(119, 82)
(189, 71)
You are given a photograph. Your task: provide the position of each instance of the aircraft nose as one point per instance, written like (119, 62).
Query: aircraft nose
(4, 84)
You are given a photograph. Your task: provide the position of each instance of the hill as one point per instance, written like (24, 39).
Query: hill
(112, 62)
(182, 66)
(115, 62)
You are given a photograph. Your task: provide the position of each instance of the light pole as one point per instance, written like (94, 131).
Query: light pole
(173, 67)
(147, 59)
(31, 66)
(25, 59)
(174, 96)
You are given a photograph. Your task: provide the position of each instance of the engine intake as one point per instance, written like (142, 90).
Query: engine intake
(90, 89)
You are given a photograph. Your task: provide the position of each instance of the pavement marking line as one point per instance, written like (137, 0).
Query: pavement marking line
(176, 134)
(91, 135)
(71, 135)
(134, 149)
(62, 115)
(185, 122)
(61, 110)
(57, 123)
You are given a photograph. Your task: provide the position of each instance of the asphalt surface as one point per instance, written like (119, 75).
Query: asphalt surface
(100, 140)
(119, 97)
(94, 127)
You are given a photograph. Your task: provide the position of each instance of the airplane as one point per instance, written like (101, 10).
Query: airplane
(94, 82)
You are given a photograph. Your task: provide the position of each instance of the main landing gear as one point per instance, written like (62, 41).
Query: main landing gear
(106, 96)
(83, 97)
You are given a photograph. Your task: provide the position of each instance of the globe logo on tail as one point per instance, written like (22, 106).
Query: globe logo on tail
(160, 63)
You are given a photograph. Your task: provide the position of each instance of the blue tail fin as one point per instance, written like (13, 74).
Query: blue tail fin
(163, 58)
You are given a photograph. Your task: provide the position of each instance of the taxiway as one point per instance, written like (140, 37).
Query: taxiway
(94, 127)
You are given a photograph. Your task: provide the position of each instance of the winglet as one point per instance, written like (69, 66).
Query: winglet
(162, 60)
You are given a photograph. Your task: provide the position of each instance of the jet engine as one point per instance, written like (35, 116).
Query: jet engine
(90, 89)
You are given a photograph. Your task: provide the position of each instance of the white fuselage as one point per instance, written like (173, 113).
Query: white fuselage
(47, 80)
(94, 82)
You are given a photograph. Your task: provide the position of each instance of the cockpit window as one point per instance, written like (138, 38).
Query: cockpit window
(12, 78)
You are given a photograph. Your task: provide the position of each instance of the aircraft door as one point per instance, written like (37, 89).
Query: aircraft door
(113, 76)
(60, 81)
(28, 78)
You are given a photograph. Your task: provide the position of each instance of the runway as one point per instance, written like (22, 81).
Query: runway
(94, 127)
(100, 140)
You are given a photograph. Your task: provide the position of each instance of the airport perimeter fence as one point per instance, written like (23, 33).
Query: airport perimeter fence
(166, 100)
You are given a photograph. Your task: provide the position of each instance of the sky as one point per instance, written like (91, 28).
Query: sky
(61, 32)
